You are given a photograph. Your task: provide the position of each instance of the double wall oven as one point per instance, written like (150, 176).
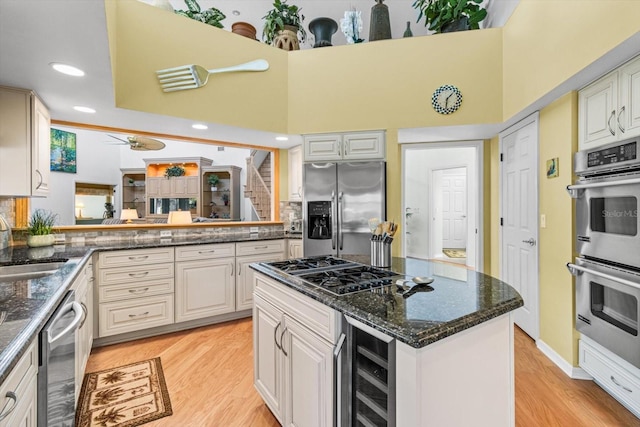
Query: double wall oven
(607, 194)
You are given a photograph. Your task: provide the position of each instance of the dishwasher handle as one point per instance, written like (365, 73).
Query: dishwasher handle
(77, 309)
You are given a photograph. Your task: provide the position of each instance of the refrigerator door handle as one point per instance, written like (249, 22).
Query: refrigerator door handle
(334, 220)
(340, 236)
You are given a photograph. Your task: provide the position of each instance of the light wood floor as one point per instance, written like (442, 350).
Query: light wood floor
(209, 373)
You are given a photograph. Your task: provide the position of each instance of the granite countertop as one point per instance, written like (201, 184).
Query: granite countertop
(30, 303)
(461, 299)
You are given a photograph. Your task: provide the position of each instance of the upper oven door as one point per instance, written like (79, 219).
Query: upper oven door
(607, 307)
(607, 220)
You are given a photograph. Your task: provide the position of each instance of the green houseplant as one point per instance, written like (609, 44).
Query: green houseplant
(211, 16)
(40, 228)
(174, 171)
(444, 16)
(282, 15)
(213, 181)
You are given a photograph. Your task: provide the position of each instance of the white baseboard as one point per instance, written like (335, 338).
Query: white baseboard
(574, 372)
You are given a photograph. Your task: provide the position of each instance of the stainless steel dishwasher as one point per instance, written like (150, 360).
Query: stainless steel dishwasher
(56, 365)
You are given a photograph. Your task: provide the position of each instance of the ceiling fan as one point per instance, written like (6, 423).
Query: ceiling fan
(141, 143)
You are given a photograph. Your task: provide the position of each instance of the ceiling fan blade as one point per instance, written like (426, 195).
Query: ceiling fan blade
(120, 139)
(144, 143)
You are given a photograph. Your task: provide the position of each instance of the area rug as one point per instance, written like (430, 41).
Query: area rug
(455, 253)
(126, 396)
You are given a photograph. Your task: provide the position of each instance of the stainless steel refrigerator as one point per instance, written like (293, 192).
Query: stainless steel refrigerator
(339, 200)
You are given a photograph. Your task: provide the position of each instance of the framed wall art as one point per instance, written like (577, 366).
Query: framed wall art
(63, 151)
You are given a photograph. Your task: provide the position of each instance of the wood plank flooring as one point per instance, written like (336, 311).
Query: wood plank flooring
(209, 373)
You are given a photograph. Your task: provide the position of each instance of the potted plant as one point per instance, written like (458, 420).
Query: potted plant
(442, 16)
(174, 171)
(40, 228)
(279, 18)
(213, 181)
(211, 16)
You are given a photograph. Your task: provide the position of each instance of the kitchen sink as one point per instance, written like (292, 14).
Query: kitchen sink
(10, 273)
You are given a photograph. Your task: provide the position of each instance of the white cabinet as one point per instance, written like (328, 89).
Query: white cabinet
(19, 392)
(295, 173)
(295, 248)
(347, 146)
(264, 251)
(83, 285)
(24, 144)
(609, 109)
(294, 339)
(205, 281)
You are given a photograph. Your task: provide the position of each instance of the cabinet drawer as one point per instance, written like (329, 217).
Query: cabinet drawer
(314, 315)
(135, 257)
(261, 247)
(136, 314)
(145, 273)
(135, 290)
(623, 384)
(19, 378)
(197, 252)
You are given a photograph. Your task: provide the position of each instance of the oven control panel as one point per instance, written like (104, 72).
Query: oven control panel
(617, 154)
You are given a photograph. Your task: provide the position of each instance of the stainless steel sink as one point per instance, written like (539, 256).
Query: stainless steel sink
(9, 273)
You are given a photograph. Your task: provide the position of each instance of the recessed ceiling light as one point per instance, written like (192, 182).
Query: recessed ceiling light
(67, 69)
(84, 109)
(199, 126)
(235, 12)
(281, 138)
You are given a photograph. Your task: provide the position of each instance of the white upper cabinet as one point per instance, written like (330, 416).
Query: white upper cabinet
(345, 146)
(24, 144)
(295, 173)
(609, 109)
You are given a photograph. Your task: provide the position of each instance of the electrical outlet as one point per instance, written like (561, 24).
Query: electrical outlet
(165, 233)
(543, 221)
(253, 229)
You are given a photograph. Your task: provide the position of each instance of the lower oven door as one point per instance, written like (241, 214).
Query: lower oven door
(607, 307)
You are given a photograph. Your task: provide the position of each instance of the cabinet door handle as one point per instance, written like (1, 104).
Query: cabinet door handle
(211, 251)
(275, 336)
(239, 270)
(261, 247)
(138, 291)
(5, 412)
(613, 114)
(133, 316)
(138, 275)
(620, 385)
(282, 345)
(84, 315)
(41, 180)
(618, 120)
(138, 258)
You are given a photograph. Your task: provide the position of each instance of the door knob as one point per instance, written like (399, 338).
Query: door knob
(531, 242)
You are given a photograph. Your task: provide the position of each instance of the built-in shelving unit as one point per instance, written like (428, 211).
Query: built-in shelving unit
(222, 201)
(134, 190)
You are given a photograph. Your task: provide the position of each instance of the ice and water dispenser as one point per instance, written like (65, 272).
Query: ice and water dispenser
(319, 220)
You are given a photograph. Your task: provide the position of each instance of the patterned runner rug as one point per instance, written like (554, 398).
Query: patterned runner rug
(125, 396)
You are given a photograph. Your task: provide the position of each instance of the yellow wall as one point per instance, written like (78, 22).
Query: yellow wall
(558, 138)
(388, 84)
(394, 185)
(547, 42)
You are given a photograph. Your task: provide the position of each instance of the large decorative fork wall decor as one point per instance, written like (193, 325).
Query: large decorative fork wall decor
(195, 76)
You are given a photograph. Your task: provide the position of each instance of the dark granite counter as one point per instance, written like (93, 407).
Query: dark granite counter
(460, 300)
(28, 304)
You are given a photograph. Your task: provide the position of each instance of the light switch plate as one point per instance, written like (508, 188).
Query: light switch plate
(253, 229)
(165, 233)
(543, 221)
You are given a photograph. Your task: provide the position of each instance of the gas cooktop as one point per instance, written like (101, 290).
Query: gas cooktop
(336, 275)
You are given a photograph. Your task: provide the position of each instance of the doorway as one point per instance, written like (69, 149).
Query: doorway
(442, 190)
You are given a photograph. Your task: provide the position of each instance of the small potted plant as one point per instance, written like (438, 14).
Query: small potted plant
(40, 228)
(211, 16)
(443, 16)
(213, 182)
(174, 171)
(284, 17)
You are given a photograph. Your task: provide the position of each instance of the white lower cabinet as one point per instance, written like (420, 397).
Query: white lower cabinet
(295, 248)
(293, 362)
(83, 286)
(274, 251)
(19, 392)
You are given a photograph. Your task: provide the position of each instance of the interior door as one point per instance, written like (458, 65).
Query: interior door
(454, 208)
(519, 207)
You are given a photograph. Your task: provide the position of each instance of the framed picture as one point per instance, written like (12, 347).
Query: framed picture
(63, 151)
(552, 168)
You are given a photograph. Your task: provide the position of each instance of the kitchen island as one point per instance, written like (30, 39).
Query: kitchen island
(452, 350)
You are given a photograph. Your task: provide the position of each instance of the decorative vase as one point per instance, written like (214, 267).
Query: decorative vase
(214, 188)
(244, 29)
(461, 24)
(38, 241)
(322, 30)
(380, 28)
(407, 32)
(287, 39)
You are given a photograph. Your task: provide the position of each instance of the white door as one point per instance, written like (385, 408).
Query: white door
(454, 208)
(519, 216)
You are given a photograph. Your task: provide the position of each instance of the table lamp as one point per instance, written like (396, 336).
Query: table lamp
(179, 217)
(128, 215)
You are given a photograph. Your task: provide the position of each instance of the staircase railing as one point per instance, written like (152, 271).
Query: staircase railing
(259, 191)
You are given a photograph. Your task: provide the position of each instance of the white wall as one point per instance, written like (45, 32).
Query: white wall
(99, 162)
(420, 161)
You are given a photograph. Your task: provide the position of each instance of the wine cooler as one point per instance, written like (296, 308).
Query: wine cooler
(367, 388)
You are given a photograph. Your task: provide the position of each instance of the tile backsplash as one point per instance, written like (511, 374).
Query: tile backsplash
(7, 210)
